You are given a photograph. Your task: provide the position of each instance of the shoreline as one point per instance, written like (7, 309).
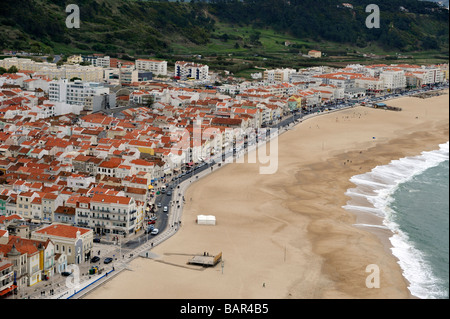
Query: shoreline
(368, 215)
(306, 241)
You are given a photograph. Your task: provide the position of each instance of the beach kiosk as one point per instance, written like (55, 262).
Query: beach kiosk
(206, 220)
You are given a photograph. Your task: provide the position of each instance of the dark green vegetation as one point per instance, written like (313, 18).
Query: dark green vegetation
(253, 31)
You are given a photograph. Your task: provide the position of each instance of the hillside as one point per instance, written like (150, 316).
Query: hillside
(222, 26)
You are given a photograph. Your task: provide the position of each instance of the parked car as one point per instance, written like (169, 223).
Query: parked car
(159, 205)
(149, 229)
(155, 231)
(96, 240)
(151, 221)
(95, 259)
(108, 260)
(166, 209)
(66, 274)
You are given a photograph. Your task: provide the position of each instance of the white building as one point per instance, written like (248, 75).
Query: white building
(190, 70)
(74, 93)
(393, 78)
(128, 75)
(113, 214)
(369, 83)
(278, 75)
(154, 66)
(52, 71)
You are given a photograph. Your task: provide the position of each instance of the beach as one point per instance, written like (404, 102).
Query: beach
(287, 235)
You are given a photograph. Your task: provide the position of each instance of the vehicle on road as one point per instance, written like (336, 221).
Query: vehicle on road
(108, 260)
(95, 259)
(66, 274)
(159, 205)
(96, 240)
(151, 222)
(155, 231)
(166, 209)
(149, 229)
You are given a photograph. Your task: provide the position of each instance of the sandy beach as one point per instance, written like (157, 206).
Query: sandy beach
(286, 235)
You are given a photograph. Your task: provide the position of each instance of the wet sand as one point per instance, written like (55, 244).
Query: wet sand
(286, 235)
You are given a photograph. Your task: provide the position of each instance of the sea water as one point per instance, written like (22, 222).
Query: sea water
(411, 195)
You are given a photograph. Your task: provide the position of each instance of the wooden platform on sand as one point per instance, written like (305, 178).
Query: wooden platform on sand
(205, 260)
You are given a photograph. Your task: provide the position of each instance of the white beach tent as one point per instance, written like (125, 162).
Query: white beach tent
(206, 219)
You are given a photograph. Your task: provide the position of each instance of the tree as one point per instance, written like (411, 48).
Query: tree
(13, 69)
(254, 37)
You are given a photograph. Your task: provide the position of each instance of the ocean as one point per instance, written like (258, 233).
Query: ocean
(411, 196)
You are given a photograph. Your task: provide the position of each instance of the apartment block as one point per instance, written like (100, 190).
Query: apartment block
(74, 93)
(154, 66)
(189, 70)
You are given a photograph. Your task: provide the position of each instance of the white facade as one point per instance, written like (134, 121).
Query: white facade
(190, 70)
(278, 75)
(128, 75)
(154, 66)
(393, 79)
(74, 93)
(52, 71)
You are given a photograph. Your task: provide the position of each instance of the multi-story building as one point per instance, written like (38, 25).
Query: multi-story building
(6, 276)
(154, 66)
(24, 201)
(370, 84)
(52, 71)
(32, 259)
(113, 214)
(75, 59)
(278, 75)
(50, 202)
(99, 60)
(393, 78)
(74, 93)
(75, 242)
(128, 75)
(189, 70)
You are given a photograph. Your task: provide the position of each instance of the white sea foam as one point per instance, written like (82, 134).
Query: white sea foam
(376, 187)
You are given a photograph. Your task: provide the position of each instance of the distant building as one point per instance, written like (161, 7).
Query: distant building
(315, 53)
(190, 70)
(75, 59)
(278, 75)
(74, 93)
(128, 75)
(154, 66)
(393, 78)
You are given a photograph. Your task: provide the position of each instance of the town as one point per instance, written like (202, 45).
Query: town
(91, 150)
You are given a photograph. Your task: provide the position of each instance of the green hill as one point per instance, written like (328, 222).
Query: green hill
(247, 27)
